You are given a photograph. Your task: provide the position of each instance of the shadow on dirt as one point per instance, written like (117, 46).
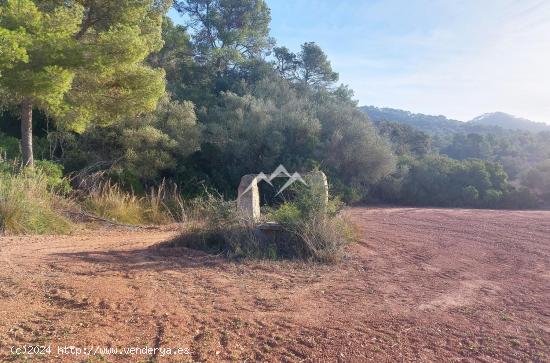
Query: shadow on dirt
(156, 258)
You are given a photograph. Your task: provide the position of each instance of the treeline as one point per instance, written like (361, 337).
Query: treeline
(437, 180)
(235, 103)
(498, 169)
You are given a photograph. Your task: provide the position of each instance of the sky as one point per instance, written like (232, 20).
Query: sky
(458, 58)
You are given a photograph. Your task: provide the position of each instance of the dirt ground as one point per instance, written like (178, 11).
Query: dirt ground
(420, 285)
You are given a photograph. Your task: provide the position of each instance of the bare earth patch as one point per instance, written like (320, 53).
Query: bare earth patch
(421, 284)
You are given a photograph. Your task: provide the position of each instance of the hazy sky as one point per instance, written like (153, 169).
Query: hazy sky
(459, 58)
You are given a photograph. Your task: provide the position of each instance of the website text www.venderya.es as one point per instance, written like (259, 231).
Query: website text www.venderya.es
(98, 350)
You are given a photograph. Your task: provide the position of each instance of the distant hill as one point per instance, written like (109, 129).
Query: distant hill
(427, 123)
(507, 121)
(489, 122)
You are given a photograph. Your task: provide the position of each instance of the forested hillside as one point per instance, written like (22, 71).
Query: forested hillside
(488, 122)
(523, 157)
(427, 123)
(201, 104)
(509, 122)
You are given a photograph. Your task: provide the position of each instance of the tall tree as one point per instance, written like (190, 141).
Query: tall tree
(79, 61)
(227, 32)
(286, 62)
(314, 66)
(176, 54)
(310, 67)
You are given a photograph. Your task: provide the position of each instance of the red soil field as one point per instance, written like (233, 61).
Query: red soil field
(419, 285)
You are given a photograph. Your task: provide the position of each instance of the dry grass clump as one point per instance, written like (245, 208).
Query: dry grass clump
(316, 229)
(322, 239)
(28, 205)
(214, 225)
(160, 205)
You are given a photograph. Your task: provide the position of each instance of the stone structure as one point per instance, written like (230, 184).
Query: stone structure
(248, 200)
(318, 179)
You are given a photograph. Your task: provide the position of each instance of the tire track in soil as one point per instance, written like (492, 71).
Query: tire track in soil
(420, 285)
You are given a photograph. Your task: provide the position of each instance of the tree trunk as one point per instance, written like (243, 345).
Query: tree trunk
(26, 133)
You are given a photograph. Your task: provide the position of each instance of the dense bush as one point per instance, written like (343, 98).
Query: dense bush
(405, 139)
(273, 123)
(53, 174)
(9, 147)
(537, 179)
(137, 152)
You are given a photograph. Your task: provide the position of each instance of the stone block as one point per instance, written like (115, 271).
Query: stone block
(318, 179)
(248, 200)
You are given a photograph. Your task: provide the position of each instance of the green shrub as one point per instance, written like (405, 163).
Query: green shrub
(27, 205)
(53, 172)
(287, 213)
(9, 146)
(310, 199)
(315, 227)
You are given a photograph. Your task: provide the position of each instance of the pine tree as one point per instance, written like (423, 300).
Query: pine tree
(79, 62)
